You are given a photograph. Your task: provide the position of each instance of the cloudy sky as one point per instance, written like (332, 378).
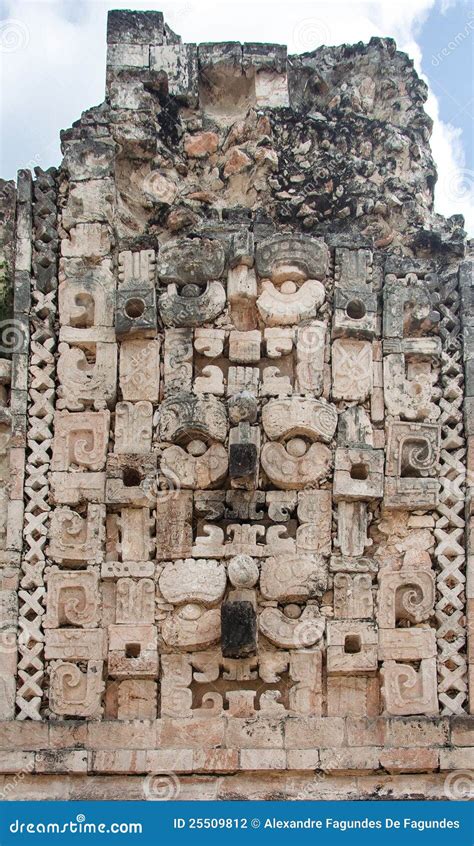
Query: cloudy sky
(52, 55)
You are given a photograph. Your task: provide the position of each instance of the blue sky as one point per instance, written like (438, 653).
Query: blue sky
(52, 55)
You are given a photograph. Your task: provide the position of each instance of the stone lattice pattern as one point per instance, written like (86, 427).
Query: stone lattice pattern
(233, 423)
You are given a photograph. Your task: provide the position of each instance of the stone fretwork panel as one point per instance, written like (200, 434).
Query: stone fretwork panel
(237, 431)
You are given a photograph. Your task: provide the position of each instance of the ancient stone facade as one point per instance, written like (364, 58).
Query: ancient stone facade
(236, 436)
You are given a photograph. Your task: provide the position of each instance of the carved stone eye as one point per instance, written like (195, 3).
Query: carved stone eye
(134, 308)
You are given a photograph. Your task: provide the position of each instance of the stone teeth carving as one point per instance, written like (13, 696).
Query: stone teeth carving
(289, 304)
(293, 579)
(191, 261)
(75, 645)
(187, 416)
(192, 627)
(190, 580)
(195, 471)
(311, 418)
(80, 440)
(190, 306)
(287, 633)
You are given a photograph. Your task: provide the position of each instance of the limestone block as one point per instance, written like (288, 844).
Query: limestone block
(77, 488)
(405, 596)
(131, 480)
(136, 526)
(132, 651)
(135, 600)
(211, 381)
(178, 361)
(140, 369)
(76, 539)
(292, 633)
(87, 375)
(193, 581)
(127, 55)
(80, 440)
(89, 201)
(413, 644)
(137, 700)
(406, 690)
(174, 514)
(352, 648)
(352, 523)
(298, 416)
(352, 372)
(133, 427)
(244, 347)
(190, 305)
(353, 269)
(189, 470)
(74, 692)
(314, 514)
(86, 294)
(75, 644)
(72, 599)
(355, 313)
(191, 627)
(292, 257)
(179, 63)
(358, 474)
(293, 579)
(241, 285)
(207, 342)
(87, 239)
(238, 628)
(353, 696)
(353, 596)
(186, 414)
(310, 354)
(135, 312)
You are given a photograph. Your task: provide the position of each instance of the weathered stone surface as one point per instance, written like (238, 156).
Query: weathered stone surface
(236, 528)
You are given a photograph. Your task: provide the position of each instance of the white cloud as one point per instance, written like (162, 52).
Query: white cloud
(60, 71)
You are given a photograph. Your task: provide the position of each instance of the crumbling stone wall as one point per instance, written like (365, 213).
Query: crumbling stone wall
(234, 470)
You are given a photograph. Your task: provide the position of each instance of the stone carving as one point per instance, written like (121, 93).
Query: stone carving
(80, 440)
(234, 466)
(72, 599)
(193, 581)
(74, 692)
